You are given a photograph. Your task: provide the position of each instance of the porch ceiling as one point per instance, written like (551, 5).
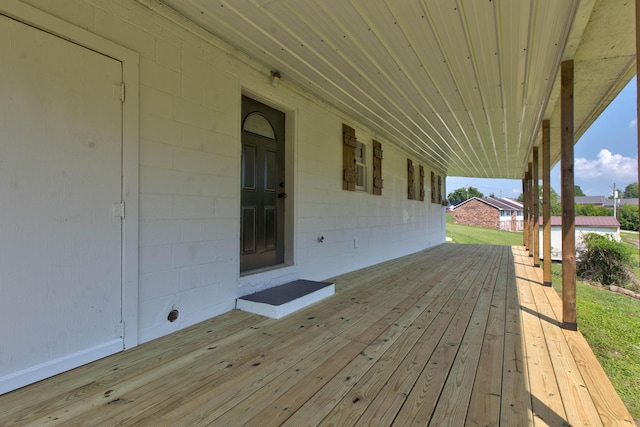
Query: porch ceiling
(461, 84)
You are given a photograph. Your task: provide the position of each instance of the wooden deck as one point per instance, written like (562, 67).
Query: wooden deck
(456, 335)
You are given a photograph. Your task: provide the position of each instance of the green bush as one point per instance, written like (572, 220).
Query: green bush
(628, 217)
(602, 259)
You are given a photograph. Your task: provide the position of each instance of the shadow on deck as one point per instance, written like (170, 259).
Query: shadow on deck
(459, 334)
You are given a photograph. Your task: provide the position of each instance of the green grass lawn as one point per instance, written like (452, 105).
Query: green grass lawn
(609, 322)
(468, 234)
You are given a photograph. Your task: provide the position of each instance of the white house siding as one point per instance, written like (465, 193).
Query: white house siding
(556, 238)
(189, 171)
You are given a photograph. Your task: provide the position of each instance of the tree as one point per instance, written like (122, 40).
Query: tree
(462, 194)
(577, 191)
(591, 210)
(628, 217)
(556, 208)
(631, 191)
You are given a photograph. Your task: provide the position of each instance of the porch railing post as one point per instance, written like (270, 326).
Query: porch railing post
(535, 204)
(546, 202)
(638, 95)
(530, 207)
(569, 318)
(525, 195)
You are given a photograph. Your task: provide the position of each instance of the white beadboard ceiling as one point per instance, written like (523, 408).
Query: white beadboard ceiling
(461, 84)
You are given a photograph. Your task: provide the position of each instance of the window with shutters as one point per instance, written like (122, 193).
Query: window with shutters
(377, 168)
(421, 184)
(439, 189)
(433, 187)
(361, 166)
(411, 190)
(349, 145)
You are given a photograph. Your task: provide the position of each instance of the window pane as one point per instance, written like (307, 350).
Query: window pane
(258, 124)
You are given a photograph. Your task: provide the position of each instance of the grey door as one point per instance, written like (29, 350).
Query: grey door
(262, 198)
(60, 175)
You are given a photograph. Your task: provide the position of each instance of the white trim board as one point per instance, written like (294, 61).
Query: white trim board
(50, 368)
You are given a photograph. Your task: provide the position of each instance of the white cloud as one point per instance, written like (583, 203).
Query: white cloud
(609, 166)
(633, 123)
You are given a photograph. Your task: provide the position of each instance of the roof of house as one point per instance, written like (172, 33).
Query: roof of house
(587, 221)
(604, 201)
(590, 200)
(609, 202)
(502, 203)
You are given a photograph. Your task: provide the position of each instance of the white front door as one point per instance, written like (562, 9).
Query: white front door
(60, 233)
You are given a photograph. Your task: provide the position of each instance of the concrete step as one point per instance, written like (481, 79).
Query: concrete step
(281, 300)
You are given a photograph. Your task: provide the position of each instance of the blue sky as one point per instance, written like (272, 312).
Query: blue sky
(607, 153)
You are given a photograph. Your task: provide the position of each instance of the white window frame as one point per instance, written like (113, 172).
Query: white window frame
(362, 166)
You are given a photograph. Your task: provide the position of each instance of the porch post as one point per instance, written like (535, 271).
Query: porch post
(524, 211)
(530, 207)
(546, 203)
(569, 318)
(535, 204)
(638, 96)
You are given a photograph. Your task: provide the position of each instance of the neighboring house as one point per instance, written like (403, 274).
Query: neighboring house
(590, 200)
(605, 225)
(491, 212)
(608, 203)
(602, 201)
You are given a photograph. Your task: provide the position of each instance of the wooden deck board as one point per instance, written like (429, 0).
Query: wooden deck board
(459, 334)
(484, 408)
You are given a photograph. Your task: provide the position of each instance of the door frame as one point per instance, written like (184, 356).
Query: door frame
(130, 159)
(289, 176)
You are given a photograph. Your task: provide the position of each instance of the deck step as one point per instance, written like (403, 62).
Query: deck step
(281, 300)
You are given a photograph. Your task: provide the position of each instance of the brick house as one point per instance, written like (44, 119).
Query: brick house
(491, 212)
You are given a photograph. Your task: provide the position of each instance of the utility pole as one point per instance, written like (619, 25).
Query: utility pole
(615, 203)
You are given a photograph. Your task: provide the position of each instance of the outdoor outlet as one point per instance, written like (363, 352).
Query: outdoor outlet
(355, 243)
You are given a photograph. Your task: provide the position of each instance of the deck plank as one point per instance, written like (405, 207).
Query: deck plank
(300, 393)
(486, 395)
(547, 407)
(456, 334)
(339, 405)
(456, 395)
(578, 403)
(515, 406)
(421, 402)
(389, 400)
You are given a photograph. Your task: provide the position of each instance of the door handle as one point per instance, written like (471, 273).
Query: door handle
(282, 196)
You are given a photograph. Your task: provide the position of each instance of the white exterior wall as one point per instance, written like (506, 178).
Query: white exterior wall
(556, 238)
(189, 171)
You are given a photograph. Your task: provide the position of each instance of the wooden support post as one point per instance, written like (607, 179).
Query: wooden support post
(524, 210)
(638, 96)
(569, 318)
(546, 202)
(525, 218)
(530, 207)
(535, 205)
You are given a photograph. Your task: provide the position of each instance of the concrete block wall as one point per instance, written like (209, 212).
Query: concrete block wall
(189, 171)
